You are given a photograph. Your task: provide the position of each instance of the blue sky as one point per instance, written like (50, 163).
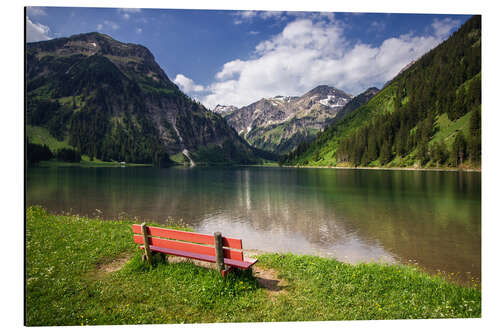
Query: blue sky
(238, 57)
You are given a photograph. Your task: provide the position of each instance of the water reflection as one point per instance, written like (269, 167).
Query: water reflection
(433, 218)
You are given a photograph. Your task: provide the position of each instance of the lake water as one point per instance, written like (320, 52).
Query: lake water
(429, 217)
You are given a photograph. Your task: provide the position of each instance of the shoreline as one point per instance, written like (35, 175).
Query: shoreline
(87, 164)
(380, 168)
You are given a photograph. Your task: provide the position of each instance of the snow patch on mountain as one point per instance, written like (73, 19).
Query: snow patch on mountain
(333, 101)
(224, 109)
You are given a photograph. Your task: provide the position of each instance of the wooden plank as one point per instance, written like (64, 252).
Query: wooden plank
(232, 243)
(180, 253)
(181, 246)
(189, 236)
(203, 257)
(240, 264)
(188, 247)
(230, 254)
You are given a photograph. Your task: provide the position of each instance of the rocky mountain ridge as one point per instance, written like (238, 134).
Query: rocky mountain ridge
(280, 123)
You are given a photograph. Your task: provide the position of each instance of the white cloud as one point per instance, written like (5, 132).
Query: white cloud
(36, 31)
(107, 25)
(138, 30)
(310, 52)
(187, 85)
(442, 28)
(125, 12)
(250, 15)
(35, 11)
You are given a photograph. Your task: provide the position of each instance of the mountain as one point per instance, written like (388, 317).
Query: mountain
(224, 110)
(429, 115)
(355, 103)
(280, 123)
(112, 101)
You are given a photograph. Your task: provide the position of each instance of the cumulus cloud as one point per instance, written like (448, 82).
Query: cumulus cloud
(249, 15)
(36, 31)
(187, 85)
(310, 52)
(35, 11)
(442, 28)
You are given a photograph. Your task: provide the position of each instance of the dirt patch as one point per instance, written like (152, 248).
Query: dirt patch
(110, 266)
(267, 277)
(114, 265)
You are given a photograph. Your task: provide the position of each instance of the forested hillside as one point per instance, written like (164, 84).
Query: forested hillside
(112, 101)
(428, 116)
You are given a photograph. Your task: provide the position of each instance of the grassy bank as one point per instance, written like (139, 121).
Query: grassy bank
(86, 163)
(347, 166)
(85, 271)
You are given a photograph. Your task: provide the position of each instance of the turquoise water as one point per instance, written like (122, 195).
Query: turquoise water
(429, 217)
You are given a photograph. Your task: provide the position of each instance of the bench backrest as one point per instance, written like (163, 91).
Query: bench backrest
(189, 241)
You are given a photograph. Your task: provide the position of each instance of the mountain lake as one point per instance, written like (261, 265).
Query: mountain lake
(429, 218)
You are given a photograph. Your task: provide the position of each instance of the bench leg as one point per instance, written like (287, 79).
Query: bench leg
(226, 271)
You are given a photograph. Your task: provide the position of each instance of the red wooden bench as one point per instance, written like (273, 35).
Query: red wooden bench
(223, 251)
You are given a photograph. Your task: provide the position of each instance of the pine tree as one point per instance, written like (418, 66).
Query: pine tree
(475, 123)
(459, 149)
(422, 155)
(386, 153)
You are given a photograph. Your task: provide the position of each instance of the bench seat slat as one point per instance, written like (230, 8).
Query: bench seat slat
(188, 247)
(203, 257)
(188, 236)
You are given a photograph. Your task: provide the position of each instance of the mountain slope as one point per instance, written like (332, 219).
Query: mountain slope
(112, 101)
(428, 115)
(355, 103)
(280, 123)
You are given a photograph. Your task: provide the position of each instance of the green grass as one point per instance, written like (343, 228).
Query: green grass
(448, 129)
(65, 286)
(273, 136)
(179, 158)
(325, 289)
(41, 136)
(266, 163)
